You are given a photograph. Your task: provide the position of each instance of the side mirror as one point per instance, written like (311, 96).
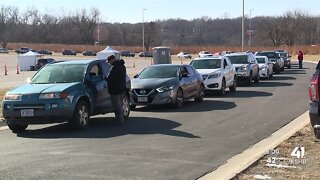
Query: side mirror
(290, 56)
(136, 76)
(185, 74)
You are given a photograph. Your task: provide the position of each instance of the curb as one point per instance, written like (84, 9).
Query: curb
(240, 162)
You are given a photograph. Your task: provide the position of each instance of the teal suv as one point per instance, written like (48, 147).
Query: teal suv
(70, 91)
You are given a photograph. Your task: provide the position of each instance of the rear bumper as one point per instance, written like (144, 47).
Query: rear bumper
(314, 113)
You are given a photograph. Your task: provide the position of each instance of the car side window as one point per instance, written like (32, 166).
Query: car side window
(225, 64)
(190, 70)
(184, 70)
(95, 70)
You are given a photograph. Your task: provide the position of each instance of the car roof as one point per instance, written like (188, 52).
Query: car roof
(237, 54)
(172, 65)
(78, 61)
(208, 58)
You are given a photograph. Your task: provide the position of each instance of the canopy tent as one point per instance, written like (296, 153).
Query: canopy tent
(108, 51)
(26, 60)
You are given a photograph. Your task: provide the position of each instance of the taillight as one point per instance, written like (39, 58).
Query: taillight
(313, 88)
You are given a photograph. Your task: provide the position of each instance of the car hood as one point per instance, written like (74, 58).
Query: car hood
(239, 65)
(151, 83)
(41, 88)
(208, 71)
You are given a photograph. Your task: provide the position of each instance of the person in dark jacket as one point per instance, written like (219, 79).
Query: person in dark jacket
(300, 58)
(116, 80)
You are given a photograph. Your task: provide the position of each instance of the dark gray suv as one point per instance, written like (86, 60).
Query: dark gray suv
(246, 66)
(275, 58)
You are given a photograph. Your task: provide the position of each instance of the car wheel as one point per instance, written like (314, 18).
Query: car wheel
(81, 115)
(250, 79)
(17, 127)
(289, 67)
(222, 91)
(233, 88)
(179, 99)
(200, 95)
(257, 78)
(126, 106)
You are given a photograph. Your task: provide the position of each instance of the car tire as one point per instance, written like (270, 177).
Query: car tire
(179, 99)
(289, 67)
(126, 106)
(17, 127)
(200, 94)
(250, 78)
(81, 115)
(233, 88)
(222, 91)
(257, 78)
(271, 75)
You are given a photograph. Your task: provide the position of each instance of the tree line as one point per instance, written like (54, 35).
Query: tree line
(85, 27)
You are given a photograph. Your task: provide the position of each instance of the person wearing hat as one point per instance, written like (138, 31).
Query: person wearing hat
(116, 80)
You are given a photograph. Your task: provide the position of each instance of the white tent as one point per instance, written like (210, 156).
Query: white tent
(108, 51)
(27, 59)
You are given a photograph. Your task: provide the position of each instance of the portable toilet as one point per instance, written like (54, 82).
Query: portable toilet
(161, 55)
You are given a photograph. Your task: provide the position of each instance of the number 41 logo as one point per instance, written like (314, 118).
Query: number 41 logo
(298, 152)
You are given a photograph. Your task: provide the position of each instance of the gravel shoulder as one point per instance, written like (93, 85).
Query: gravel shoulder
(280, 164)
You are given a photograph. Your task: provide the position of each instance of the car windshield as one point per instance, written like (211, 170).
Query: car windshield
(261, 60)
(59, 73)
(240, 59)
(206, 64)
(268, 54)
(283, 54)
(159, 72)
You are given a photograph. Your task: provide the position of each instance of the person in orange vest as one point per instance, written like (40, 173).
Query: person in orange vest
(300, 58)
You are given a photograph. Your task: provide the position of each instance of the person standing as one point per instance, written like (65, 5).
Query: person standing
(116, 80)
(300, 58)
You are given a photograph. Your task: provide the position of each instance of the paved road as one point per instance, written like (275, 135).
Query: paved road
(158, 143)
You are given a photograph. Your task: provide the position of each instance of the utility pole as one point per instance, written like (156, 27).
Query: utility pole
(250, 33)
(242, 32)
(143, 30)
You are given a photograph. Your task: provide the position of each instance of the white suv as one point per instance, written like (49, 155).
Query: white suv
(205, 54)
(218, 73)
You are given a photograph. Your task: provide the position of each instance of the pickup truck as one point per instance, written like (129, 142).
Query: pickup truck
(314, 102)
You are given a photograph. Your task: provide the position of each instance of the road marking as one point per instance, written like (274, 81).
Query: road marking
(242, 161)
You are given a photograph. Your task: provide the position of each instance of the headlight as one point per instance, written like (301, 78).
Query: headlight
(243, 68)
(16, 97)
(214, 76)
(165, 88)
(263, 68)
(204, 77)
(53, 95)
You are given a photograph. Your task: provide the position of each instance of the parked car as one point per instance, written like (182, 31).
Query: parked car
(265, 67)
(218, 73)
(314, 102)
(205, 54)
(42, 62)
(167, 84)
(3, 50)
(69, 91)
(274, 57)
(44, 51)
(24, 50)
(89, 53)
(286, 57)
(127, 53)
(246, 65)
(145, 54)
(184, 55)
(69, 52)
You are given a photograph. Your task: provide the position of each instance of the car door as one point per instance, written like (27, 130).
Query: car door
(254, 65)
(194, 85)
(227, 71)
(99, 87)
(185, 82)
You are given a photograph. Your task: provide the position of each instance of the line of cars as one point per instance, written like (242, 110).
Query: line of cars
(73, 91)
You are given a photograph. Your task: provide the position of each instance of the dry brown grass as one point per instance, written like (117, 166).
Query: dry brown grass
(310, 50)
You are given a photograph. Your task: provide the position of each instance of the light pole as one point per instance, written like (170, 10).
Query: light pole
(250, 29)
(242, 32)
(143, 30)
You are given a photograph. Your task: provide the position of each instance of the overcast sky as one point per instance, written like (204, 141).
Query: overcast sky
(130, 11)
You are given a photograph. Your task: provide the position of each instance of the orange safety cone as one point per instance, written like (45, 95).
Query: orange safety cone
(18, 69)
(5, 70)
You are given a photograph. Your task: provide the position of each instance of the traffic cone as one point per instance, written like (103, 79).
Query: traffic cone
(5, 70)
(18, 69)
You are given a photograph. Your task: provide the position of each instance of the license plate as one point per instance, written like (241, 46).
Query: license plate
(142, 99)
(27, 113)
